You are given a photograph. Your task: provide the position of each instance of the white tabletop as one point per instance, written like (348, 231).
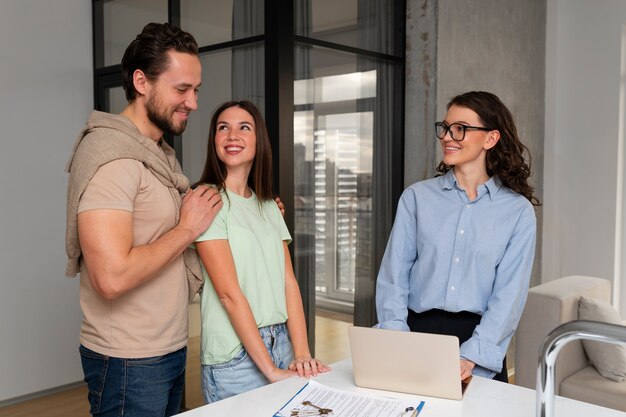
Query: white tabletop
(483, 397)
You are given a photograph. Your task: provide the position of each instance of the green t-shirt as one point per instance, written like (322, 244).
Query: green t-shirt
(255, 233)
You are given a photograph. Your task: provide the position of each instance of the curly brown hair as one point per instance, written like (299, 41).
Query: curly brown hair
(506, 159)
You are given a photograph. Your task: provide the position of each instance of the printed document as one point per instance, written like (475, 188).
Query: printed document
(315, 399)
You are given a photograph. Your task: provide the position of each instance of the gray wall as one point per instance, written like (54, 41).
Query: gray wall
(46, 95)
(420, 148)
(492, 45)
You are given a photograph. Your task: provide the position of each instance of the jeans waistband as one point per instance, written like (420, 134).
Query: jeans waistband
(273, 329)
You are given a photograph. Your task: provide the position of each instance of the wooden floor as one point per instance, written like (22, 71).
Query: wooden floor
(331, 346)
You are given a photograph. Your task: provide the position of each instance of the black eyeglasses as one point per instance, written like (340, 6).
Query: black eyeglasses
(457, 130)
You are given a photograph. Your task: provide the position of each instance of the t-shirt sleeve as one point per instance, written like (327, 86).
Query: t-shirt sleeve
(218, 229)
(114, 186)
(272, 210)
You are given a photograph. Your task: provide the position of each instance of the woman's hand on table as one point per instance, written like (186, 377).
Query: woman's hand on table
(308, 367)
(466, 368)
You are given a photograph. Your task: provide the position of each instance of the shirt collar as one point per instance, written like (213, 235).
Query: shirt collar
(493, 186)
(448, 182)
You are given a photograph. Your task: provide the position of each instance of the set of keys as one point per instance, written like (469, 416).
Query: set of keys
(316, 411)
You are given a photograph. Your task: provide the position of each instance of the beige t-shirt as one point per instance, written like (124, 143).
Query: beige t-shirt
(150, 320)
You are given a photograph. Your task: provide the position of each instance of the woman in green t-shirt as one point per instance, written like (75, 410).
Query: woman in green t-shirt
(253, 327)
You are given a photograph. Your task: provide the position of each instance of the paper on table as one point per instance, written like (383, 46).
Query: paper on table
(316, 399)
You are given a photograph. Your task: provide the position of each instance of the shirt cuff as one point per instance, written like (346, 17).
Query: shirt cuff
(484, 372)
(482, 354)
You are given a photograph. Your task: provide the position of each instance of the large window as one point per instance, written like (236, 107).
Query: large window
(347, 96)
(333, 138)
(329, 78)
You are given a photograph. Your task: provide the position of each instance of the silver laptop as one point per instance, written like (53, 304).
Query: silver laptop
(410, 362)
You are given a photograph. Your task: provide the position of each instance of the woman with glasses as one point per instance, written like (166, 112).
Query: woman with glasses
(460, 254)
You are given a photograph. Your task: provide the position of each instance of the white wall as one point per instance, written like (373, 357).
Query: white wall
(46, 93)
(582, 210)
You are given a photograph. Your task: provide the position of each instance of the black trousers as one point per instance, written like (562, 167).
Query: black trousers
(459, 324)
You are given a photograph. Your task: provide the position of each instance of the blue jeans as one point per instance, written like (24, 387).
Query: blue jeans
(241, 374)
(150, 387)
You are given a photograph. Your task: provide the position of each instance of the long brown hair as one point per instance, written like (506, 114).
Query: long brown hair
(506, 159)
(260, 178)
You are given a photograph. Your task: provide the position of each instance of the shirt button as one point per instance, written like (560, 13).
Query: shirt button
(467, 206)
(452, 288)
(461, 231)
(456, 260)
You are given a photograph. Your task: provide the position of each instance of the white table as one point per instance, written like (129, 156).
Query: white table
(483, 397)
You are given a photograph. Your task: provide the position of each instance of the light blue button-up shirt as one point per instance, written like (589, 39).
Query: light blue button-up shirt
(449, 253)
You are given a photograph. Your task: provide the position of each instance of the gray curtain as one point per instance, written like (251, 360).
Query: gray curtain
(248, 62)
(375, 20)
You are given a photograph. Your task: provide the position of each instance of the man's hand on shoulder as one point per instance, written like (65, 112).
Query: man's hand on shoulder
(199, 208)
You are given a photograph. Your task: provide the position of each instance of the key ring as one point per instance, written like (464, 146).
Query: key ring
(317, 411)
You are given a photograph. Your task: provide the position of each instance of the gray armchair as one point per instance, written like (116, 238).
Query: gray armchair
(548, 306)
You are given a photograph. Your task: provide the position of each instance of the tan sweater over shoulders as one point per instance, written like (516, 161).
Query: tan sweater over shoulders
(113, 166)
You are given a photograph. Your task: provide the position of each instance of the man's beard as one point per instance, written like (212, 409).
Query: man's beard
(161, 119)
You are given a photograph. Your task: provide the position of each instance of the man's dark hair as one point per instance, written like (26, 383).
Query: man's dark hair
(148, 53)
